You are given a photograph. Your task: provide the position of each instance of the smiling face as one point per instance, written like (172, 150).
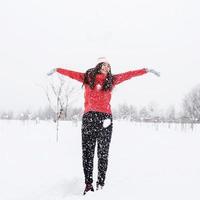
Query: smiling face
(105, 68)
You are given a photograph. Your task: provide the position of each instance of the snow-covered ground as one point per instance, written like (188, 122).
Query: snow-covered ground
(145, 162)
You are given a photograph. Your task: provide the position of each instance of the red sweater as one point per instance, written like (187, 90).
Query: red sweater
(96, 99)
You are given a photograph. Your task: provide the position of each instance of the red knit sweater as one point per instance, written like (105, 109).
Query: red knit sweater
(96, 99)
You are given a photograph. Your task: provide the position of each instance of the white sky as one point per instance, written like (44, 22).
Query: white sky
(37, 35)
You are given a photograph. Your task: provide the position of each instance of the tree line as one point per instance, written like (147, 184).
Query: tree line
(60, 97)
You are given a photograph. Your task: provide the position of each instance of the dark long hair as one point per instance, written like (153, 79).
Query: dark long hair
(90, 77)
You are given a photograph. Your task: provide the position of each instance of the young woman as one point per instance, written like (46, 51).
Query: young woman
(97, 120)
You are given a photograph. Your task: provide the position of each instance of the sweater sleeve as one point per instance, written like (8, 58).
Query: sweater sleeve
(71, 74)
(119, 78)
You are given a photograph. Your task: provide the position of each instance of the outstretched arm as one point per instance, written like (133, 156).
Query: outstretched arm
(71, 74)
(119, 78)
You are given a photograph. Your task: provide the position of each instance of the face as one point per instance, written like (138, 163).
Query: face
(105, 68)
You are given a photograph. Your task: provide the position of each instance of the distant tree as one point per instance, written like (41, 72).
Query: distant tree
(7, 115)
(74, 113)
(191, 105)
(133, 113)
(144, 114)
(123, 111)
(170, 114)
(153, 113)
(115, 113)
(25, 115)
(46, 113)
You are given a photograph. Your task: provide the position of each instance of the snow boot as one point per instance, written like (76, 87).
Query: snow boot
(99, 186)
(88, 188)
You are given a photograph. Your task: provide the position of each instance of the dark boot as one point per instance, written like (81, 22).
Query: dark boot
(99, 186)
(88, 188)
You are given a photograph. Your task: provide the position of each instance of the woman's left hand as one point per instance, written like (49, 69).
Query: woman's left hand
(153, 72)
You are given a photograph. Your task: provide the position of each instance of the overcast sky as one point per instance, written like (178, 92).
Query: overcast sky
(37, 35)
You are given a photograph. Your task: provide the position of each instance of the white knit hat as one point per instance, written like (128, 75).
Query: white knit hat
(102, 59)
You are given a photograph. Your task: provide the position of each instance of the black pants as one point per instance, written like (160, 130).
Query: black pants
(96, 127)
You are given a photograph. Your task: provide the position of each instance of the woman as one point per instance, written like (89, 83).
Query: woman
(97, 119)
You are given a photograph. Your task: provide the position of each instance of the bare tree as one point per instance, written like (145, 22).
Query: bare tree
(60, 95)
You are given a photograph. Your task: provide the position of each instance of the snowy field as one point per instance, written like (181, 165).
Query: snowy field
(146, 162)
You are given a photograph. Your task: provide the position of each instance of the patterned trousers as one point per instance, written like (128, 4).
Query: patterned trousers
(96, 128)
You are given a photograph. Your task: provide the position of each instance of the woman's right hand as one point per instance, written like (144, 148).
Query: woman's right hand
(51, 72)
